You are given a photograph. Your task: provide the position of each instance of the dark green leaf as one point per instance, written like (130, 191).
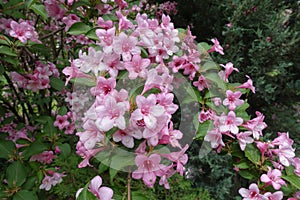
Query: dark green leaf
(16, 174)
(203, 128)
(78, 28)
(92, 34)
(112, 174)
(247, 174)
(4, 40)
(34, 148)
(65, 150)
(122, 159)
(7, 51)
(253, 154)
(293, 179)
(85, 194)
(39, 9)
(242, 165)
(83, 81)
(7, 148)
(136, 195)
(62, 110)
(25, 195)
(57, 83)
(29, 183)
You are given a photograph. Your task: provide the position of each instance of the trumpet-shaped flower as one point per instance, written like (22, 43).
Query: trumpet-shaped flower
(233, 99)
(273, 177)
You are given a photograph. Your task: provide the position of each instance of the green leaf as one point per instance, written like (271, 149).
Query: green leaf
(247, 174)
(7, 148)
(203, 128)
(122, 159)
(293, 180)
(242, 165)
(25, 195)
(78, 28)
(253, 154)
(213, 77)
(34, 148)
(203, 46)
(7, 51)
(57, 83)
(85, 194)
(11, 60)
(16, 174)
(92, 34)
(112, 173)
(289, 170)
(39, 9)
(102, 167)
(62, 110)
(4, 40)
(65, 150)
(208, 65)
(29, 184)
(83, 81)
(136, 195)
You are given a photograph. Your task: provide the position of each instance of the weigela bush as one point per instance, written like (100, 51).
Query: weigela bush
(136, 92)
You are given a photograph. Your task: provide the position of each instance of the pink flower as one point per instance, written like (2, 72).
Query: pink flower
(91, 135)
(275, 196)
(104, 86)
(126, 45)
(53, 9)
(124, 23)
(180, 159)
(248, 84)
(104, 24)
(61, 121)
(111, 114)
(202, 83)
(230, 123)
(126, 136)
(45, 157)
(232, 100)
(148, 168)
(23, 31)
(244, 139)
(252, 193)
(256, 125)
(137, 67)
(273, 177)
(216, 47)
(228, 69)
(215, 138)
(106, 37)
(148, 111)
(73, 72)
(91, 62)
(70, 20)
(102, 193)
(296, 164)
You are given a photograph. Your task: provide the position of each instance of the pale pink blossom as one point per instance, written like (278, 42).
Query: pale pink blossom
(127, 136)
(273, 177)
(45, 157)
(296, 164)
(233, 99)
(256, 125)
(126, 46)
(228, 69)
(54, 10)
(230, 123)
(70, 20)
(252, 193)
(148, 168)
(61, 121)
(202, 83)
(73, 72)
(102, 193)
(137, 67)
(274, 196)
(23, 31)
(214, 136)
(248, 84)
(179, 158)
(216, 47)
(244, 139)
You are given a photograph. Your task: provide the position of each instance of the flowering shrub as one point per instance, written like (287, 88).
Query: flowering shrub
(138, 93)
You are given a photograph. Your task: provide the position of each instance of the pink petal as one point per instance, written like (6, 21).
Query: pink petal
(105, 193)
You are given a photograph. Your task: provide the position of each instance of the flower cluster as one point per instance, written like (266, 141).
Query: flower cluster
(39, 80)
